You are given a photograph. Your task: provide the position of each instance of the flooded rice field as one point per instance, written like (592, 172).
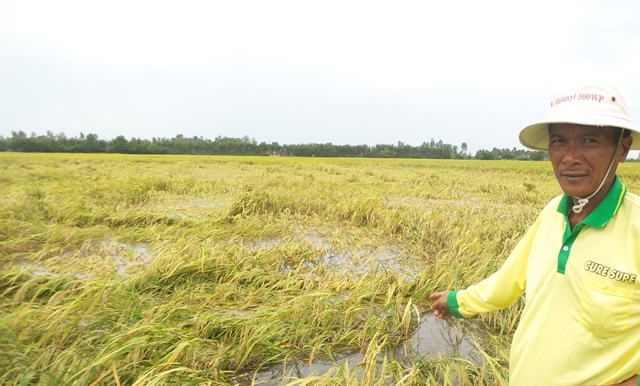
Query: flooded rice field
(431, 338)
(243, 271)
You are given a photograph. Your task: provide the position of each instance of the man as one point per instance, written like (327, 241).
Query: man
(579, 263)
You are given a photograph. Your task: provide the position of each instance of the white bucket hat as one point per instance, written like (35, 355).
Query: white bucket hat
(591, 105)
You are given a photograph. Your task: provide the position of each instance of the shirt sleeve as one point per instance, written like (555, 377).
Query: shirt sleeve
(501, 289)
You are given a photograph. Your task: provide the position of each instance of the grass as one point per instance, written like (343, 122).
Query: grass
(151, 270)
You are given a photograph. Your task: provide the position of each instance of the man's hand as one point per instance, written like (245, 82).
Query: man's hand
(440, 307)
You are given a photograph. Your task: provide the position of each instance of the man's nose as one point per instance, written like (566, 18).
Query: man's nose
(572, 154)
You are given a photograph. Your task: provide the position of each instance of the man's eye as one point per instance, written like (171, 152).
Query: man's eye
(591, 140)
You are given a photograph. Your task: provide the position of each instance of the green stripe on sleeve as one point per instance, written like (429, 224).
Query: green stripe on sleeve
(452, 302)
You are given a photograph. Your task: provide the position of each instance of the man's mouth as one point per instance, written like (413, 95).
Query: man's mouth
(573, 175)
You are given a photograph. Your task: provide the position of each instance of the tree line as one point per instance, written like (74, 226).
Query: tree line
(90, 143)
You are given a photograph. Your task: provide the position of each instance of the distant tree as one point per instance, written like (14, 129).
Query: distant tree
(19, 141)
(118, 145)
(538, 156)
(386, 152)
(485, 155)
(90, 143)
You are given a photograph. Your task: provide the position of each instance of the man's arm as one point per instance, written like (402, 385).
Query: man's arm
(496, 292)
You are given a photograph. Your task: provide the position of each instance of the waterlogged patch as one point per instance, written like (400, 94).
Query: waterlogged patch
(35, 269)
(356, 263)
(263, 244)
(40, 270)
(432, 339)
(315, 239)
(127, 255)
(94, 260)
(361, 262)
(435, 337)
(312, 238)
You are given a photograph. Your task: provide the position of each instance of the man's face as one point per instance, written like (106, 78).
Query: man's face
(580, 156)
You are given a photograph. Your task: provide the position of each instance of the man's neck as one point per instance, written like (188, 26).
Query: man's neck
(576, 218)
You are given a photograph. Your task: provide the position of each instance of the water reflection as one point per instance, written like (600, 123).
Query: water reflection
(434, 336)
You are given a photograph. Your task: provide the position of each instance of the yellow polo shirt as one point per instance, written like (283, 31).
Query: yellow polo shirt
(581, 322)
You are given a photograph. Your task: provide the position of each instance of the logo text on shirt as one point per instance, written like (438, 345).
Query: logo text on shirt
(608, 272)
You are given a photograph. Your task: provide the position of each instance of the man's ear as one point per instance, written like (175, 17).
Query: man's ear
(625, 146)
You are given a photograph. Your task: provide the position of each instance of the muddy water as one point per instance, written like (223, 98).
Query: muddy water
(431, 339)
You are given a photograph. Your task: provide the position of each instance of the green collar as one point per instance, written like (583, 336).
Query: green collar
(605, 210)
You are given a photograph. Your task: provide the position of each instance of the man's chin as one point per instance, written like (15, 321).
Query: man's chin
(576, 191)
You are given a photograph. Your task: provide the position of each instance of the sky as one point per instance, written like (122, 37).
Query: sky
(292, 72)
